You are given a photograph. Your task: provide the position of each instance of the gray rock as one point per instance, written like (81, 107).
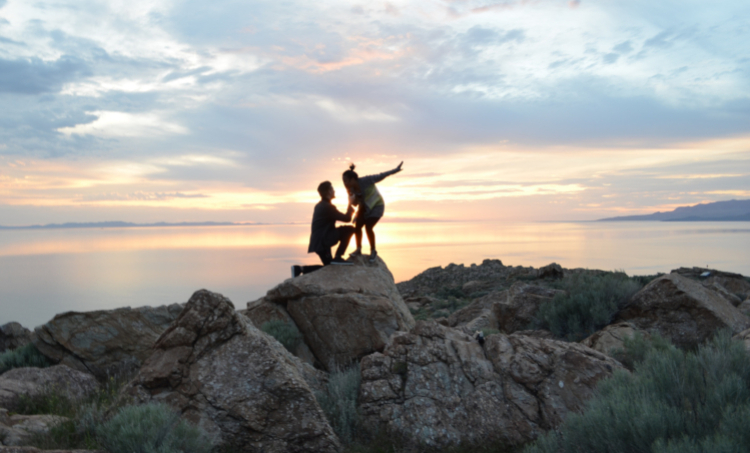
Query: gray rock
(552, 270)
(612, 338)
(436, 386)
(104, 342)
(515, 309)
(32, 381)
(238, 384)
(13, 335)
(261, 311)
(682, 310)
(344, 312)
(17, 430)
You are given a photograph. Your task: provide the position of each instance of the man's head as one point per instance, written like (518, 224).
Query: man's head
(325, 189)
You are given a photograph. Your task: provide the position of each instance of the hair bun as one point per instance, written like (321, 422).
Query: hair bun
(351, 167)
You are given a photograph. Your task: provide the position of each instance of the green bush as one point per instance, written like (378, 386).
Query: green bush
(25, 356)
(674, 401)
(151, 428)
(339, 403)
(84, 416)
(590, 302)
(286, 333)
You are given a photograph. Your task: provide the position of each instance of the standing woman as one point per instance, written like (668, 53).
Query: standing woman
(363, 192)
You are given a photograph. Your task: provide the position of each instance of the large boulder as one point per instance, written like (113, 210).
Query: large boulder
(612, 338)
(13, 335)
(20, 382)
(515, 309)
(104, 342)
(261, 311)
(238, 384)
(436, 386)
(344, 312)
(682, 310)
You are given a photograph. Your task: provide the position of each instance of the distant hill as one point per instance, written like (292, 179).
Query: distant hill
(724, 211)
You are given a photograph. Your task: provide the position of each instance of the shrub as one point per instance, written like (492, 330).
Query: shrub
(286, 333)
(339, 403)
(84, 416)
(674, 401)
(590, 302)
(151, 428)
(25, 356)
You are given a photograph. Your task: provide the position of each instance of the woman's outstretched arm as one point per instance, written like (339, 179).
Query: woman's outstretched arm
(381, 176)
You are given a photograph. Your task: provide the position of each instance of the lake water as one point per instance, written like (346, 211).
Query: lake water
(44, 272)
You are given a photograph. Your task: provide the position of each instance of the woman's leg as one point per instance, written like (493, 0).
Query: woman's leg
(360, 222)
(369, 225)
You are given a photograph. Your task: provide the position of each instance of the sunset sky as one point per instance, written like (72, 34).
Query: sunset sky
(169, 110)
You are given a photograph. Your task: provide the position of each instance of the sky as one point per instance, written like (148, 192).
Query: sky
(171, 110)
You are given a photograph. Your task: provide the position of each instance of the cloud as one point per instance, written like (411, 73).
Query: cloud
(121, 124)
(623, 47)
(139, 196)
(35, 76)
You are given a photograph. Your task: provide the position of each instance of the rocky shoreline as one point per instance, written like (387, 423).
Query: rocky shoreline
(457, 356)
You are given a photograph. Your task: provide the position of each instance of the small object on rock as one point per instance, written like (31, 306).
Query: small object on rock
(479, 336)
(706, 274)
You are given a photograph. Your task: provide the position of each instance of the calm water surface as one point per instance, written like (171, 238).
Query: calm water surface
(44, 272)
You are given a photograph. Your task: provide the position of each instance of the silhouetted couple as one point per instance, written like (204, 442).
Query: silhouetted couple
(325, 234)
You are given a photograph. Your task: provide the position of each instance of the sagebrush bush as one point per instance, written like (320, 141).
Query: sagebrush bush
(339, 403)
(286, 333)
(674, 401)
(151, 428)
(84, 416)
(25, 356)
(590, 302)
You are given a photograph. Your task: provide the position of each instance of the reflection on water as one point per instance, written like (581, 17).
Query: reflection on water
(43, 272)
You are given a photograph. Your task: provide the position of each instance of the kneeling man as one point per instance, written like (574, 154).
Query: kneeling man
(324, 232)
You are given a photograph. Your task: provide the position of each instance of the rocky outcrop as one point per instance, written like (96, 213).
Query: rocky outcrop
(239, 385)
(515, 309)
(469, 279)
(437, 386)
(104, 342)
(682, 310)
(17, 430)
(612, 338)
(261, 311)
(13, 335)
(344, 312)
(551, 271)
(734, 284)
(32, 381)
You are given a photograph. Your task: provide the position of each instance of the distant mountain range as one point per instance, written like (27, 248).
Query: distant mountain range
(724, 211)
(56, 226)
